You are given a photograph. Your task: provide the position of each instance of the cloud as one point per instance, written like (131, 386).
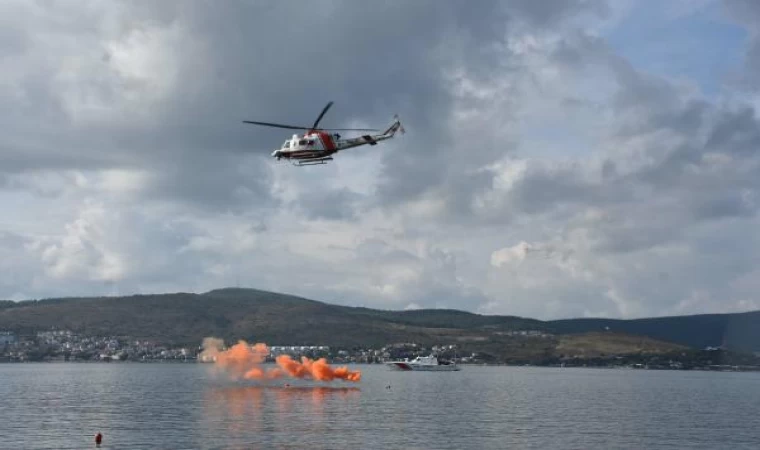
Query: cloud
(747, 13)
(546, 171)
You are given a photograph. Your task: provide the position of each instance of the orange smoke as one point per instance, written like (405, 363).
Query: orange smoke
(243, 361)
(317, 370)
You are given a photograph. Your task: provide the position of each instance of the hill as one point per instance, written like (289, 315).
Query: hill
(739, 331)
(599, 345)
(184, 319)
(279, 319)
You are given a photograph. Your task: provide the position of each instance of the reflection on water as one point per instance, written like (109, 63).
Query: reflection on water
(252, 395)
(242, 412)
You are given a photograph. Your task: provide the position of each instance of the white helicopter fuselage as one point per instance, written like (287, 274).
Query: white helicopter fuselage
(316, 147)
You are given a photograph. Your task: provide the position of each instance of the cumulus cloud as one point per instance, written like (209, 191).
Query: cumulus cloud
(545, 171)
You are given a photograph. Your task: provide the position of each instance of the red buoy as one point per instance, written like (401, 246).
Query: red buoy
(98, 438)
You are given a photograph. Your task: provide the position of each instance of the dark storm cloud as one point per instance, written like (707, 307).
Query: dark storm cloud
(273, 61)
(547, 13)
(220, 183)
(282, 62)
(436, 156)
(546, 187)
(736, 132)
(723, 205)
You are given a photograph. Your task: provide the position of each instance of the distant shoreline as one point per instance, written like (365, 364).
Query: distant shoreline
(660, 369)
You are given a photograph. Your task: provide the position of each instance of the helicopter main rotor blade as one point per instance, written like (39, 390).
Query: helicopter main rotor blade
(276, 125)
(293, 127)
(316, 122)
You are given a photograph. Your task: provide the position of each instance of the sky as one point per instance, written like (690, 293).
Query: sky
(583, 158)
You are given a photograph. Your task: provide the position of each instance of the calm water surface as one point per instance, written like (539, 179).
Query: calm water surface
(183, 406)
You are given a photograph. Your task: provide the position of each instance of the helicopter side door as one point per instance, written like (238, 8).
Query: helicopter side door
(313, 142)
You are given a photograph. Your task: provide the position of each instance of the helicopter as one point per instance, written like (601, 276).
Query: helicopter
(317, 145)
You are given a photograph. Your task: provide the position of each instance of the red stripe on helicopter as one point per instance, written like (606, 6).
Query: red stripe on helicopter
(326, 140)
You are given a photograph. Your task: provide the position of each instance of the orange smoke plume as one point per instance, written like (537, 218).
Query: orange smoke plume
(317, 370)
(243, 361)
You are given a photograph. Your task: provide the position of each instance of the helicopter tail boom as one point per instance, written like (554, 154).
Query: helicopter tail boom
(369, 139)
(372, 139)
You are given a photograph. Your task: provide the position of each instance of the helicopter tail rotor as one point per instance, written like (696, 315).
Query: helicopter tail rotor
(395, 126)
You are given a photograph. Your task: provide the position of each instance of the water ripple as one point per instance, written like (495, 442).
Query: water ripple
(182, 406)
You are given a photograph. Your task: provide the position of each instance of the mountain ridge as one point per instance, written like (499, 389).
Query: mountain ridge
(253, 314)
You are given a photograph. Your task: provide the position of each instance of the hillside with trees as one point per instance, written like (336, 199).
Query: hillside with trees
(279, 319)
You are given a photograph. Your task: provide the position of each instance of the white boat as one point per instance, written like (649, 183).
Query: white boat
(423, 363)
